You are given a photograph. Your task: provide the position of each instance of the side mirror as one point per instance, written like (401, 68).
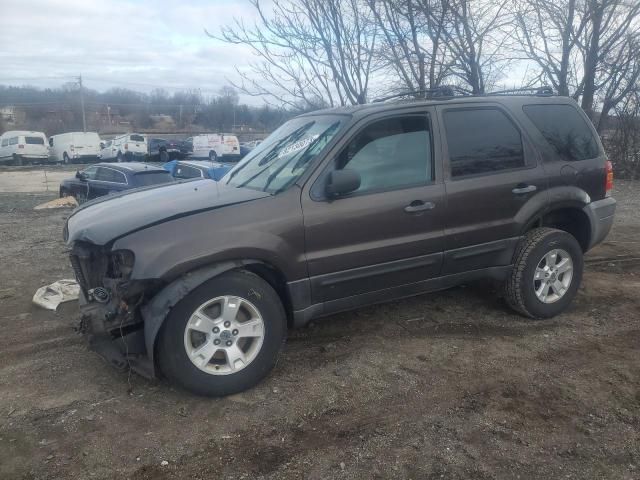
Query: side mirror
(341, 182)
(102, 144)
(80, 176)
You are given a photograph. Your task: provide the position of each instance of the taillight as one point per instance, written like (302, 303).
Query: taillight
(126, 146)
(608, 185)
(20, 146)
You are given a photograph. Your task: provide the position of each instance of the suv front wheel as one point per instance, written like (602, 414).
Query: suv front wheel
(546, 274)
(223, 337)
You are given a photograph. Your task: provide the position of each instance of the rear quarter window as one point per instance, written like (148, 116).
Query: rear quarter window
(151, 178)
(565, 130)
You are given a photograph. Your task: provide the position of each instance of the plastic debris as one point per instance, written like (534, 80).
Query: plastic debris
(63, 202)
(50, 296)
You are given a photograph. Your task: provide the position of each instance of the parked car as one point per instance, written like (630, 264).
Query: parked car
(186, 169)
(18, 147)
(74, 146)
(215, 146)
(164, 150)
(107, 178)
(338, 209)
(125, 148)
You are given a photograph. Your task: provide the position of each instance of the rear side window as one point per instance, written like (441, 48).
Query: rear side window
(565, 129)
(34, 140)
(152, 178)
(13, 141)
(136, 138)
(390, 154)
(186, 171)
(482, 140)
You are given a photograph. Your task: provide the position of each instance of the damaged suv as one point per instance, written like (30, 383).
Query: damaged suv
(337, 209)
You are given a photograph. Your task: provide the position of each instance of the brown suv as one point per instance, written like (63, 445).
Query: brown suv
(340, 208)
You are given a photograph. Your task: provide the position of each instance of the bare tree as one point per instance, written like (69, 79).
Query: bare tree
(478, 36)
(412, 40)
(548, 32)
(610, 24)
(308, 50)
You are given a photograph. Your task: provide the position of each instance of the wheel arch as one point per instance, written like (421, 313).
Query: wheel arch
(154, 312)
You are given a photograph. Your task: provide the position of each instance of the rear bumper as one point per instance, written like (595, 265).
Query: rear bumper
(601, 214)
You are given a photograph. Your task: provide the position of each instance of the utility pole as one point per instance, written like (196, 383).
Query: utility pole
(84, 120)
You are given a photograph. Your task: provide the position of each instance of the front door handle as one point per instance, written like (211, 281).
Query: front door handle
(419, 206)
(523, 188)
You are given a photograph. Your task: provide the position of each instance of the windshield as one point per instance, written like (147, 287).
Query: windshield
(283, 156)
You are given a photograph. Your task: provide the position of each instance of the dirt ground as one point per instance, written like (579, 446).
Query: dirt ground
(447, 385)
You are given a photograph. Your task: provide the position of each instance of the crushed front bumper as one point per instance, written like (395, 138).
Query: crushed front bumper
(109, 314)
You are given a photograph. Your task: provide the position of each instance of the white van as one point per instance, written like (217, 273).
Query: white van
(125, 148)
(21, 147)
(216, 146)
(74, 146)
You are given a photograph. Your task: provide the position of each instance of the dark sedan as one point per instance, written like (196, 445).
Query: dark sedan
(105, 178)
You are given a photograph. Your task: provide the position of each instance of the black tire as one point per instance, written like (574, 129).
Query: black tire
(213, 156)
(171, 351)
(65, 158)
(119, 157)
(17, 159)
(63, 192)
(164, 156)
(520, 287)
(80, 197)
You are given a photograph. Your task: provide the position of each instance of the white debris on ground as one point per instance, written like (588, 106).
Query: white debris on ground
(50, 296)
(63, 202)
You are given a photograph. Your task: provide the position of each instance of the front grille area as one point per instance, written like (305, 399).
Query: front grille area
(89, 264)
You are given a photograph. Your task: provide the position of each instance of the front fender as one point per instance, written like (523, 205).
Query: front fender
(155, 311)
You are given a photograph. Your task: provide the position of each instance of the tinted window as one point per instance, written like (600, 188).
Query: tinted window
(565, 129)
(136, 138)
(34, 140)
(151, 178)
(186, 171)
(90, 173)
(390, 154)
(110, 175)
(482, 141)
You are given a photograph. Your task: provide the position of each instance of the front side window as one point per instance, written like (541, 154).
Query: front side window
(5, 142)
(90, 173)
(565, 130)
(286, 154)
(110, 175)
(482, 140)
(389, 154)
(13, 141)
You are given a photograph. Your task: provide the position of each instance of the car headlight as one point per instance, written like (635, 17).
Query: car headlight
(121, 263)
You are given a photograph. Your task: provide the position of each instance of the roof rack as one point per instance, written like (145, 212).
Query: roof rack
(449, 91)
(544, 90)
(444, 91)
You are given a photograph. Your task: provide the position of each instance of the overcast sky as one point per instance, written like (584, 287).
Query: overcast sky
(137, 44)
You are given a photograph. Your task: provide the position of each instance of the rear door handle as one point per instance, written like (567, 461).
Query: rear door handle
(419, 206)
(523, 188)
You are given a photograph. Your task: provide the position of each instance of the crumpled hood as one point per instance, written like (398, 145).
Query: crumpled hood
(113, 216)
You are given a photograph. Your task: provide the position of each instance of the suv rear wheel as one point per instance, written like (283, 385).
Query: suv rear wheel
(224, 337)
(546, 273)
